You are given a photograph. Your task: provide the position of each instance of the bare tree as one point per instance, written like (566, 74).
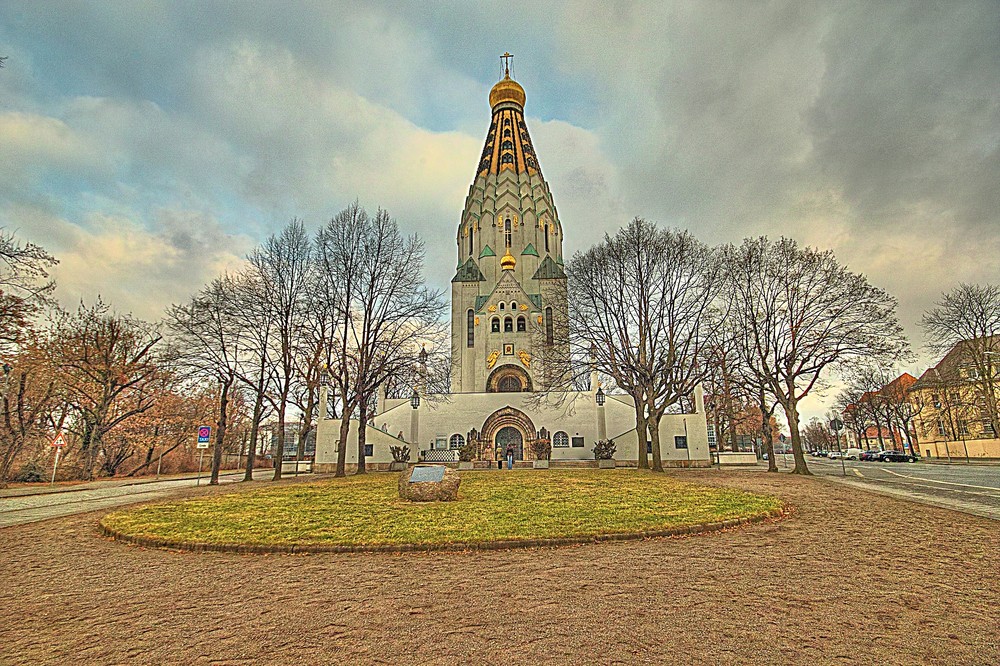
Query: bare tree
(384, 313)
(24, 284)
(281, 268)
(641, 304)
(28, 389)
(107, 367)
(802, 314)
(206, 343)
(968, 317)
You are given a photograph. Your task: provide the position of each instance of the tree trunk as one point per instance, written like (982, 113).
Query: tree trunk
(653, 425)
(258, 410)
(345, 431)
(791, 412)
(640, 430)
(279, 454)
(766, 434)
(220, 432)
(362, 434)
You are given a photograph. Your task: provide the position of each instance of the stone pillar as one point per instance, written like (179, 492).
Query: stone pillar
(602, 423)
(380, 405)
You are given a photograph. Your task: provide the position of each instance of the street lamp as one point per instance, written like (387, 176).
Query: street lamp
(600, 397)
(415, 399)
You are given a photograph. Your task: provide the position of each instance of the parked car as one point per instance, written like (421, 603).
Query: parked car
(896, 456)
(870, 455)
(853, 454)
(837, 455)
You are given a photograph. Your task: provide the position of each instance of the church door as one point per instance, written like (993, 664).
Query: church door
(511, 436)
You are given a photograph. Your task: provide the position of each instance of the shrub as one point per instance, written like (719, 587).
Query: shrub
(30, 472)
(467, 453)
(542, 448)
(400, 453)
(604, 449)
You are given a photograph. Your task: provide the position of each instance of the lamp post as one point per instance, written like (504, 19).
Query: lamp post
(415, 420)
(602, 423)
(835, 425)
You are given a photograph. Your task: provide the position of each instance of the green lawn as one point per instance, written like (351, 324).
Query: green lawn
(365, 511)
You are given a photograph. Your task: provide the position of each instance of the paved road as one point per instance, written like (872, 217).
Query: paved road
(972, 489)
(35, 507)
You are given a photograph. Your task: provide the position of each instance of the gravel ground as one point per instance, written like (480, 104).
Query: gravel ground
(923, 589)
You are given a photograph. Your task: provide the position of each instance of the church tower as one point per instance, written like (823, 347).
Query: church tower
(508, 296)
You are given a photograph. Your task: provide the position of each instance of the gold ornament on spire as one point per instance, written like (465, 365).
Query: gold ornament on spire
(507, 261)
(507, 89)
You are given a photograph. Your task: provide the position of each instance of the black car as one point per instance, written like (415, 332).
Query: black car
(896, 456)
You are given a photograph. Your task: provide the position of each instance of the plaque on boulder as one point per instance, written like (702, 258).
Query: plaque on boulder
(429, 483)
(425, 473)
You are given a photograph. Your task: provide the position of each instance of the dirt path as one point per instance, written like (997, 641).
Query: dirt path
(850, 578)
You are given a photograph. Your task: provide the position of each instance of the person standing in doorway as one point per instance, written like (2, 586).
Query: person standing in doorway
(499, 456)
(510, 457)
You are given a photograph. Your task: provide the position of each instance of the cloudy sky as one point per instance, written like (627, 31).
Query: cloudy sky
(150, 145)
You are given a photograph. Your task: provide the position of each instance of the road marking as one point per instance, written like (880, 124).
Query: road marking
(858, 472)
(950, 483)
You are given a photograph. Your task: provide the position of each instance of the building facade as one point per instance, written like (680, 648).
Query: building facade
(509, 338)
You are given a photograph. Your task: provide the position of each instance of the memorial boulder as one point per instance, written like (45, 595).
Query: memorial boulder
(429, 483)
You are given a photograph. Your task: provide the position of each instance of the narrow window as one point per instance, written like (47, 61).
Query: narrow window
(522, 325)
(545, 230)
(548, 326)
(506, 232)
(470, 324)
(513, 306)
(472, 232)
(508, 325)
(503, 305)
(495, 325)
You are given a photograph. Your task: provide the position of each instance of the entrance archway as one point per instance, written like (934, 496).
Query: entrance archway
(508, 426)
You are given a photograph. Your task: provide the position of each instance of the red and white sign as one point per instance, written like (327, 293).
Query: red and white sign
(58, 442)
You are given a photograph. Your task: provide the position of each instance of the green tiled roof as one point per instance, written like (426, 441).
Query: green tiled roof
(469, 272)
(530, 250)
(487, 252)
(549, 270)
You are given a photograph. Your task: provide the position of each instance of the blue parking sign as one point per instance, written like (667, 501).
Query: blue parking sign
(204, 434)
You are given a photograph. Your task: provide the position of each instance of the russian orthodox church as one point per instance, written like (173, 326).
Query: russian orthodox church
(509, 340)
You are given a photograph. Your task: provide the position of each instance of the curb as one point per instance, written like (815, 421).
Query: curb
(507, 544)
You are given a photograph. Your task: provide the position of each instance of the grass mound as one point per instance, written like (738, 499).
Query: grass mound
(493, 506)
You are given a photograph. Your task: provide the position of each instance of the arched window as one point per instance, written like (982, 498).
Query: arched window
(507, 158)
(470, 323)
(560, 440)
(548, 326)
(513, 306)
(508, 325)
(472, 233)
(506, 134)
(508, 384)
(545, 230)
(456, 441)
(507, 145)
(503, 305)
(495, 325)
(522, 325)
(506, 232)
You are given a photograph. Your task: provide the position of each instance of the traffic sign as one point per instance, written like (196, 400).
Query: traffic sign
(204, 436)
(58, 442)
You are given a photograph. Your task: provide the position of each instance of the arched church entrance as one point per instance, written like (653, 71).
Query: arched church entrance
(507, 427)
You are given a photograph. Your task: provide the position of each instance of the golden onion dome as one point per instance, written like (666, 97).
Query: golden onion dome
(507, 90)
(507, 261)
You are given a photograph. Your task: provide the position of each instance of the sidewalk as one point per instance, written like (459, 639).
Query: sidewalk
(27, 490)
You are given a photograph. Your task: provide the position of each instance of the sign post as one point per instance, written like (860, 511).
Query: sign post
(58, 443)
(204, 435)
